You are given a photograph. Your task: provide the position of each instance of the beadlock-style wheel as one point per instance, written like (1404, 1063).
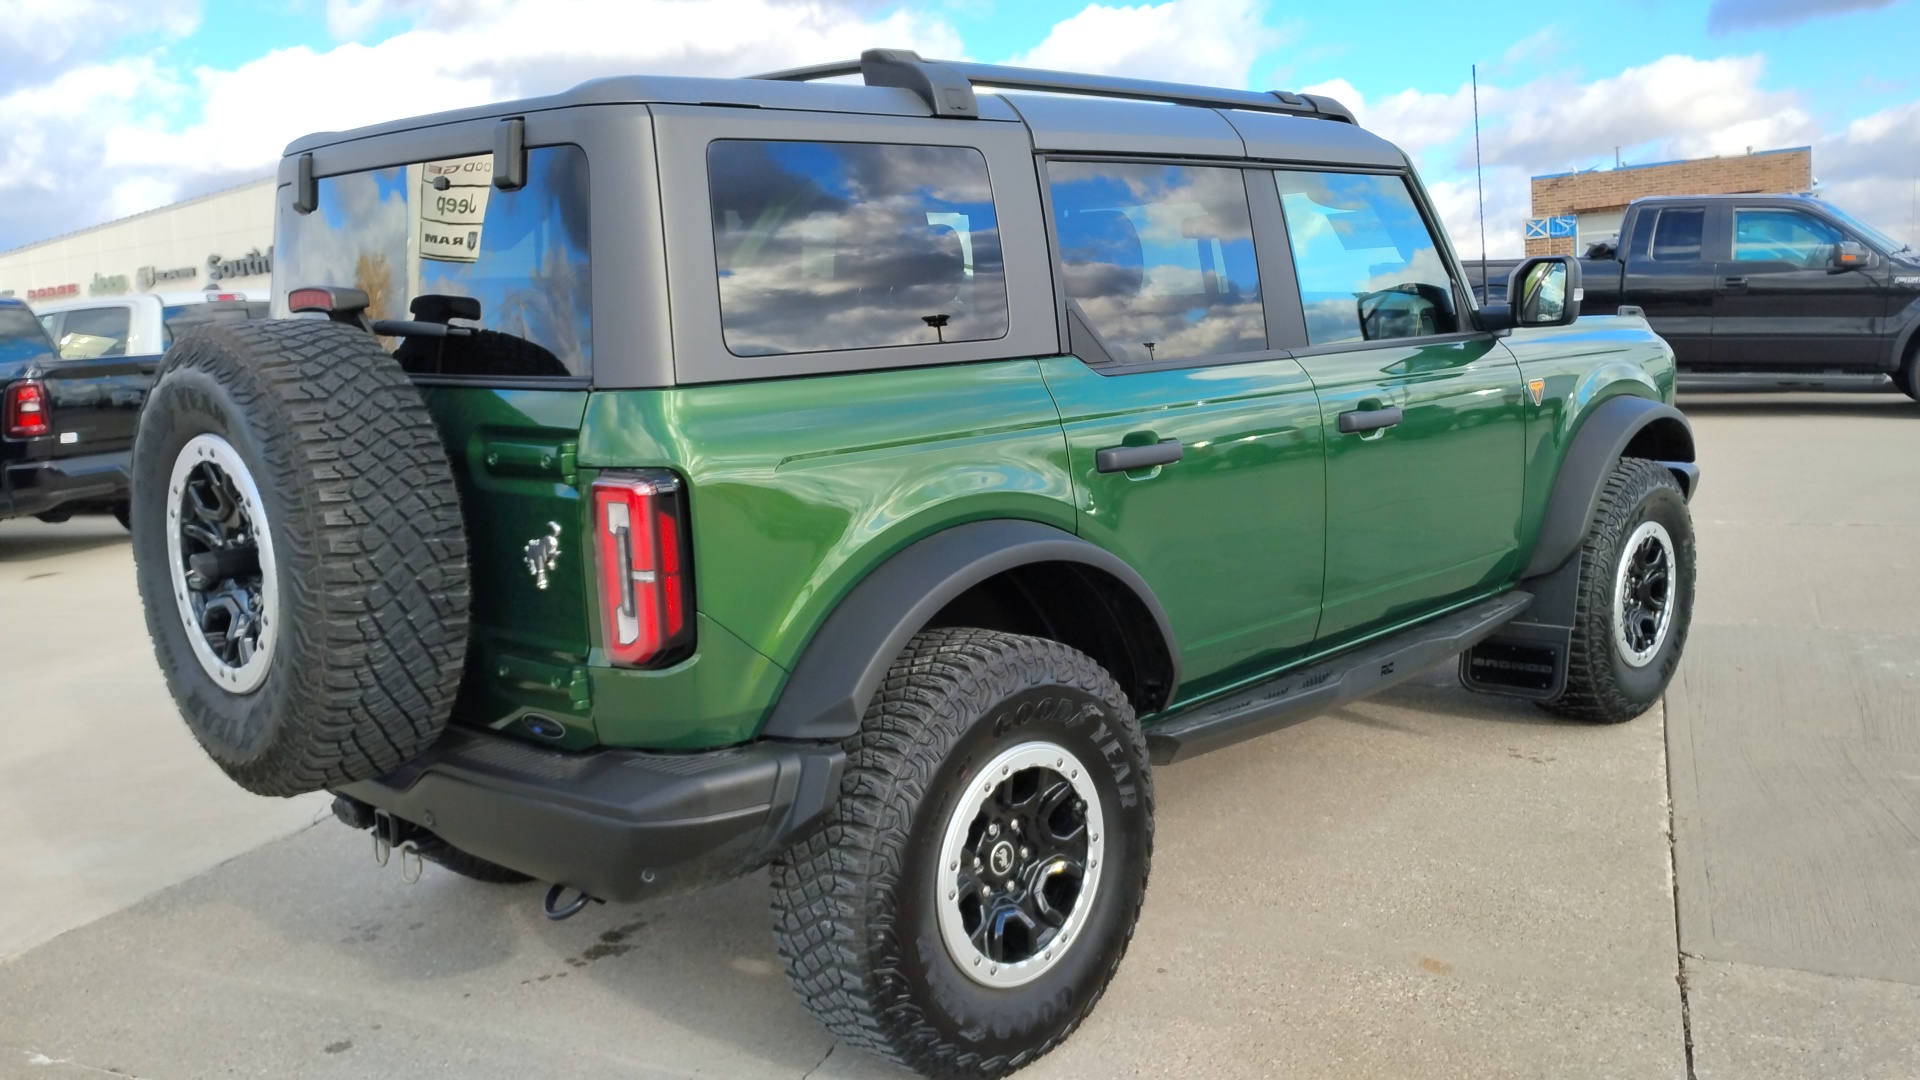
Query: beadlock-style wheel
(1643, 594)
(1021, 858)
(220, 553)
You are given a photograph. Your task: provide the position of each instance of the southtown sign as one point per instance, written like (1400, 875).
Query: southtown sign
(219, 268)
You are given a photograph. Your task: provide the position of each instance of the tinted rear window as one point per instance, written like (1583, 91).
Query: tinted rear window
(1676, 238)
(854, 246)
(90, 332)
(439, 229)
(21, 337)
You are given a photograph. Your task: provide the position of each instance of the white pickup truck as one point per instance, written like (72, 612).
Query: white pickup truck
(141, 324)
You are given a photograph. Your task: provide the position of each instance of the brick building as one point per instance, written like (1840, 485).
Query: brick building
(1597, 200)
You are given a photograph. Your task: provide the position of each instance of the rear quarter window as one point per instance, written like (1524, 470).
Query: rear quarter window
(408, 234)
(825, 246)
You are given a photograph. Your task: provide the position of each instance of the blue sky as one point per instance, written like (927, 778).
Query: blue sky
(116, 107)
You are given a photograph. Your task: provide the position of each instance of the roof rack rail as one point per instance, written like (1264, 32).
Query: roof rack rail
(947, 86)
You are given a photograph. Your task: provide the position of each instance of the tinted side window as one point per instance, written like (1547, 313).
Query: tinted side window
(1159, 257)
(1368, 267)
(825, 246)
(21, 335)
(1677, 234)
(91, 332)
(1783, 236)
(415, 237)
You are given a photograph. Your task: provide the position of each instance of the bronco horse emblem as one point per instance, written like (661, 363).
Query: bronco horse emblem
(542, 552)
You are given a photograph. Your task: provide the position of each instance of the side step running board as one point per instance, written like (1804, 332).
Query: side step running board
(1307, 692)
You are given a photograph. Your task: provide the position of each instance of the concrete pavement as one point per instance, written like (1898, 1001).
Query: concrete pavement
(1794, 735)
(1431, 884)
(104, 796)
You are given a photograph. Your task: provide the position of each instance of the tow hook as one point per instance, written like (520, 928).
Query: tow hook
(553, 909)
(391, 834)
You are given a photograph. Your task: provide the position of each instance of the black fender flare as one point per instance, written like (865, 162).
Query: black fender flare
(1600, 442)
(841, 668)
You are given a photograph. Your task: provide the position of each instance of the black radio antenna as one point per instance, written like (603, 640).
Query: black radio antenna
(1479, 187)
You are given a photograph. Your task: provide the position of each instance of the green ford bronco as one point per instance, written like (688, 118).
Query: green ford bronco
(876, 481)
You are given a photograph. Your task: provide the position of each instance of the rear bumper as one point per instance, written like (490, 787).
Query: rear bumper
(35, 487)
(617, 824)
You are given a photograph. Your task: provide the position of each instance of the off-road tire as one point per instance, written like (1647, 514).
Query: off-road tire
(467, 865)
(1602, 686)
(853, 914)
(364, 520)
(1908, 377)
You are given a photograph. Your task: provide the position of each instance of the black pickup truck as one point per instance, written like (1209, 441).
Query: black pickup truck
(66, 426)
(1764, 284)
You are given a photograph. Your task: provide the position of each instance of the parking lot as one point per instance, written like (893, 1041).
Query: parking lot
(1429, 884)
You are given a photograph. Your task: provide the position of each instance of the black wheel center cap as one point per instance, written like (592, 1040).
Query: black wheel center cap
(1000, 858)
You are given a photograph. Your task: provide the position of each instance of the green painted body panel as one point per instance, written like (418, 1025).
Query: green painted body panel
(514, 454)
(1232, 536)
(800, 487)
(717, 697)
(1428, 511)
(1582, 365)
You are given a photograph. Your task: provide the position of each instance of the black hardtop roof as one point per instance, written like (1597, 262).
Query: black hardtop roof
(897, 83)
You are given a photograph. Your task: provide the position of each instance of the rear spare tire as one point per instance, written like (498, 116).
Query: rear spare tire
(300, 553)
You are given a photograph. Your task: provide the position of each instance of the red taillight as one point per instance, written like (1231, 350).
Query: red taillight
(646, 585)
(27, 414)
(310, 300)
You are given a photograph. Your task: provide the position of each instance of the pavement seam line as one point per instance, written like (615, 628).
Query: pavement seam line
(1673, 875)
(823, 1060)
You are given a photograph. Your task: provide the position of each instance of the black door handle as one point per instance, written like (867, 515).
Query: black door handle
(1128, 458)
(1733, 283)
(1369, 419)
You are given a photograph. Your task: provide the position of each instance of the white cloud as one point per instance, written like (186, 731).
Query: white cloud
(40, 38)
(117, 118)
(1205, 41)
(1675, 107)
(1871, 168)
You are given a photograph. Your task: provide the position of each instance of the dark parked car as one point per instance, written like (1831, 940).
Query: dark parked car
(66, 433)
(1769, 284)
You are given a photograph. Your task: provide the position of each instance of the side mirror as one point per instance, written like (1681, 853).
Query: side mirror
(1545, 291)
(1851, 255)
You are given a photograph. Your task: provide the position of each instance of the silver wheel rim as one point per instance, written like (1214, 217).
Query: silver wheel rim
(1643, 594)
(1009, 905)
(214, 509)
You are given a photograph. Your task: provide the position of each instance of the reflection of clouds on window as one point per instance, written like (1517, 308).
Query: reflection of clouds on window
(1783, 236)
(1159, 257)
(532, 275)
(853, 245)
(21, 336)
(1366, 263)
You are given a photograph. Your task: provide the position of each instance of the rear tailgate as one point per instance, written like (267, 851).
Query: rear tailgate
(96, 402)
(515, 454)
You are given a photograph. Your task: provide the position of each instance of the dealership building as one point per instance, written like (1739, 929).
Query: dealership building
(222, 242)
(1572, 211)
